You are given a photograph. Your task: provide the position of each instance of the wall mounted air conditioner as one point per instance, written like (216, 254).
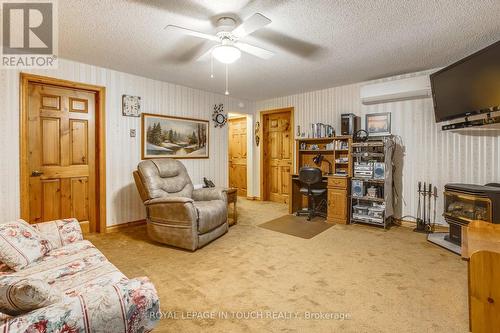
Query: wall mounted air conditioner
(397, 90)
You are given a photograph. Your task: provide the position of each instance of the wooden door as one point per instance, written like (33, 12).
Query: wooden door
(238, 155)
(61, 154)
(278, 155)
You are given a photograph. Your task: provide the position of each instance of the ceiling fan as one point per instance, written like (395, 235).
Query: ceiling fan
(228, 38)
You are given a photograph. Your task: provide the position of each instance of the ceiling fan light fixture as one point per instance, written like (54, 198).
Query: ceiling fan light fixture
(227, 54)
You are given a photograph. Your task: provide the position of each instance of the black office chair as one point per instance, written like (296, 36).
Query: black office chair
(311, 182)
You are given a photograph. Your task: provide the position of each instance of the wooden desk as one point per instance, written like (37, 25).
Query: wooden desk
(338, 197)
(481, 248)
(337, 158)
(297, 200)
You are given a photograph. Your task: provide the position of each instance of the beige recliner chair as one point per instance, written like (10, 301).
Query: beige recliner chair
(177, 214)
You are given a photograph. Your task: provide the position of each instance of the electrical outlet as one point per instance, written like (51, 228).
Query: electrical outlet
(132, 133)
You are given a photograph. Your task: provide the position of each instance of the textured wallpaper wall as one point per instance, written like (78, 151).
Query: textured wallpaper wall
(426, 152)
(123, 152)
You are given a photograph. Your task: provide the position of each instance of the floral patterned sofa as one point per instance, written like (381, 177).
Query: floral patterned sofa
(71, 287)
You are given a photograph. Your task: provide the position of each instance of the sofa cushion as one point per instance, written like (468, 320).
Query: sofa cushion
(20, 295)
(124, 307)
(211, 214)
(21, 244)
(60, 232)
(73, 269)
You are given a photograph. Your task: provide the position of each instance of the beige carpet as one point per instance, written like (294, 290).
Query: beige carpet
(297, 226)
(387, 281)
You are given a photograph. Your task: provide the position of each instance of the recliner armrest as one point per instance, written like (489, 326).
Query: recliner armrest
(172, 211)
(210, 193)
(167, 200)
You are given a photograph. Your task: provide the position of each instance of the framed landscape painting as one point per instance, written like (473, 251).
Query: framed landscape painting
(378, 124)
(174, 137)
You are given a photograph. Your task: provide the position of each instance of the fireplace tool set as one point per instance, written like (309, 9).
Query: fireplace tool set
(424, 208)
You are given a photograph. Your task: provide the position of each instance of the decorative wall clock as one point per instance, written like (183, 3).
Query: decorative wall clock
(131, 106)
(218, 115)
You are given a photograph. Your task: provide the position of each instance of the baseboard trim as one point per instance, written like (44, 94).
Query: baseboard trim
(121, 226)
(253, 198)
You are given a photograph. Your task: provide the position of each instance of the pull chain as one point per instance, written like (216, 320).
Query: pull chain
(211, 66)
(227, 80)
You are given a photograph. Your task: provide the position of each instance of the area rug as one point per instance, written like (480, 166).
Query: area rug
(297, 226)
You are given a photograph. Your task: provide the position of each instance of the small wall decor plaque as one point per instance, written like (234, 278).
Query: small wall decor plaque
(257, 133)
(131, 106)
(218, 116)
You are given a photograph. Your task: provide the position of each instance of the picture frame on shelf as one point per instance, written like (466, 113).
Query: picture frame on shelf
(378, 124)
(174, 137)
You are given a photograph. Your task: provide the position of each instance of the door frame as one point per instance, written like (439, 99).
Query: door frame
(240, 116)
(100, 130)
(263, 195)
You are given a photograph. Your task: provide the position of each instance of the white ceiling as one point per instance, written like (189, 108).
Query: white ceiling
(318, 43)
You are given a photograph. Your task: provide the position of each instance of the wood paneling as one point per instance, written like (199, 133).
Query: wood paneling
(51, 102)
(78, 105)
(51, 138)
(79, 201)
(481, 248)
(284, 174)
(337, 204)
(484, 292)
(50, 200)
(78, 149)
(338, 200)
(238, 154)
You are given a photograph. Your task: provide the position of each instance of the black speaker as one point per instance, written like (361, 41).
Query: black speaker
(358, 188)
(349, 123)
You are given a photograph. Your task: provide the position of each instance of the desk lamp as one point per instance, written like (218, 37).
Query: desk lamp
(318, 159)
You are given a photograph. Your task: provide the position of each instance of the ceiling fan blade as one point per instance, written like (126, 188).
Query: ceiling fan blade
(206, 55)
(288, 43)
(190, 32)
(196, 53)
(255, 22)
(254, 50)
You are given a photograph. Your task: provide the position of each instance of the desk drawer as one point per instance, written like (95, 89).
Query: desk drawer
(339, 182)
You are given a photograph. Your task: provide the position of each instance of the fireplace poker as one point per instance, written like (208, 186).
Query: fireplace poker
(435, 201)
(424, 194)
(419, 208)
(428, 218)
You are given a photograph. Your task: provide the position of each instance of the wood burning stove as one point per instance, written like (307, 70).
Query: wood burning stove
(464, 203)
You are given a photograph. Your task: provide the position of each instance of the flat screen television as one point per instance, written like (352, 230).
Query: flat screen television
(469, 86)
